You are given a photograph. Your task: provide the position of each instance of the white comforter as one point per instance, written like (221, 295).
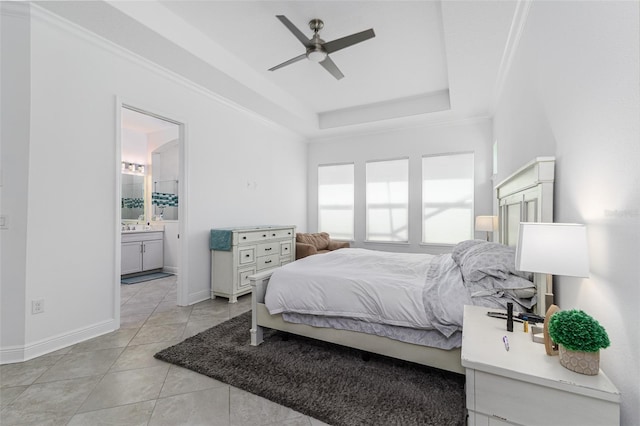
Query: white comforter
(382, 287)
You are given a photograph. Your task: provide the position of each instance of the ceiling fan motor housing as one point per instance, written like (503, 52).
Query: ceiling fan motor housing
(317, 52)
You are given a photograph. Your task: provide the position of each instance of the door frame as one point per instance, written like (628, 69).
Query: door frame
(183, 272)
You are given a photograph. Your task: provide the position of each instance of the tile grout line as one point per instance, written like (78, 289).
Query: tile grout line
(113, 363)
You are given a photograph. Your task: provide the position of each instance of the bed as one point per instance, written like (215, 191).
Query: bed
(527, 195)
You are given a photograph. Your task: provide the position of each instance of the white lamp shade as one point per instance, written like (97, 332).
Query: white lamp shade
(553, 248)
(486, 223)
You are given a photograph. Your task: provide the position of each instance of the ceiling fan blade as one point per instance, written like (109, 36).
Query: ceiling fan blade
(289, 62)
(296, 32)
(341, 43)
(330, 66)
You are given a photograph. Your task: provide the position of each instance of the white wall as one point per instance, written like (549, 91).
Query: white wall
(70, 259)
(160, 137)
(134, 146)
(573, 92)
(413, 142)
(14, 171)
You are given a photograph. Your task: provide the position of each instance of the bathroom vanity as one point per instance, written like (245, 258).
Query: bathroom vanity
(142, 250)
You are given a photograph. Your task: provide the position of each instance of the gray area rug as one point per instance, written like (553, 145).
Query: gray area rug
(328, 382)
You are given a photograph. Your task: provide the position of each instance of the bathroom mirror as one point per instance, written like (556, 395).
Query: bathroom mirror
(132, 204)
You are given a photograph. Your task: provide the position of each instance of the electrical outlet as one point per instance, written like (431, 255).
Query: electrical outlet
(37, 306)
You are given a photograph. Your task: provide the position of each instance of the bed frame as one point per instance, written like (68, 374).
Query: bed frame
(527, 195)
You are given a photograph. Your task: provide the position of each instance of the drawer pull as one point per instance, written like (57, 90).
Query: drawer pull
(247, 255)
(267, 249)
(286, 248)
(273, 235)
(244, 238)
(268, 261)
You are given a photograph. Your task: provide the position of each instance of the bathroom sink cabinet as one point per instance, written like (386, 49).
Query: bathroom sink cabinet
(141, 251)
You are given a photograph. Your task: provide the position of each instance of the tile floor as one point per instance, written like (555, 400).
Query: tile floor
(115, 380)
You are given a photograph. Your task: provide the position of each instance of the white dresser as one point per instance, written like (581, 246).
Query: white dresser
(525, 386)
(237, 253)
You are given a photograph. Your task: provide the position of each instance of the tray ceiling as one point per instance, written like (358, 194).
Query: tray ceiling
(430, 61)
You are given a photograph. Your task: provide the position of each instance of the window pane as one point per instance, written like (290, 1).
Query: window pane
(388, 200)
(447, 198)
(335, 200)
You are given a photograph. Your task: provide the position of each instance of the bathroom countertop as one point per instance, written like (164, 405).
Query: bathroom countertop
(138, 231)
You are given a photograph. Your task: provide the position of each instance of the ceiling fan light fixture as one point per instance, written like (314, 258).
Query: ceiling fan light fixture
(317, 54)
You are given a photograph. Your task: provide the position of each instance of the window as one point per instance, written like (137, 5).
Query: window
(335, 200)
(388, 200)
(447, 198)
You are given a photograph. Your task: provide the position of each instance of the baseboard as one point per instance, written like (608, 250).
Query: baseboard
(199, 297)
(170, 270)
(11, 354)
(24, 353)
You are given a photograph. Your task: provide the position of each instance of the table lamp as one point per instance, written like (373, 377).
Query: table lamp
(555, 249)
(487, 224)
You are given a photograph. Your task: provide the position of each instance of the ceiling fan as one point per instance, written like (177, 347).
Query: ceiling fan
(317, 50)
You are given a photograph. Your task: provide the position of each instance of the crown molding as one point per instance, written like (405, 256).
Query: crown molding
(403, 125)
(50, 18)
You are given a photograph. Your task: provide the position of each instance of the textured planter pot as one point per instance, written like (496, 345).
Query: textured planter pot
(581, 362)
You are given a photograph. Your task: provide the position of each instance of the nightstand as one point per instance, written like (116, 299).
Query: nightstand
(524, 385)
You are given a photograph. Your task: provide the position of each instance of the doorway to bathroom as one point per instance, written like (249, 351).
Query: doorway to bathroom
(151, 203)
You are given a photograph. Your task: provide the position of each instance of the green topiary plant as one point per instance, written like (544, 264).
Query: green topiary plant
(577, 331)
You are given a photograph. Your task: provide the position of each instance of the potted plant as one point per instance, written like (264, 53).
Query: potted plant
(579, 338)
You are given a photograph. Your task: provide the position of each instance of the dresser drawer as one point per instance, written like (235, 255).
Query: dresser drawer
(246, 255)
(252, 236)
(281, 233)
(243, 278)
(266, 262)
(285, 248)
(520, 402)
(267, 249)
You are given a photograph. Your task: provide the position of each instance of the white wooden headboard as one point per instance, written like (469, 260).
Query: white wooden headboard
(527, 196)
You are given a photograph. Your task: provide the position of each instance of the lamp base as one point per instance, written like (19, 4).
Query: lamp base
(549, 345)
